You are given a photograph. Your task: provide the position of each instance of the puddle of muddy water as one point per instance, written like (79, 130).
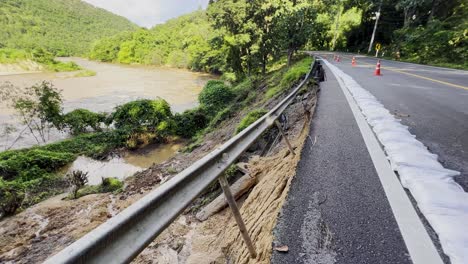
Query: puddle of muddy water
(126, 166)
(115, 167)
(154, 154)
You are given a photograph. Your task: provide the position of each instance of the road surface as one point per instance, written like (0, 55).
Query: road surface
(337, 210)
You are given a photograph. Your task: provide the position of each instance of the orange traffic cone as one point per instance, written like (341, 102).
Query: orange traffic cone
(353, 61)
(338, 58)
(377, 69)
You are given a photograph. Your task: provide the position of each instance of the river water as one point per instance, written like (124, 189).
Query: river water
(113, 85)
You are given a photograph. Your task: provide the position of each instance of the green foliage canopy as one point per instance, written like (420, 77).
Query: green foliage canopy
(63, 27)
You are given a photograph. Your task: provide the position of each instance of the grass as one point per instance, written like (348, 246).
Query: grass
(11, 56)
(250, 118)
(8, 56)
(280, 80)
(34, 171)
(58, 66)
(85, 73)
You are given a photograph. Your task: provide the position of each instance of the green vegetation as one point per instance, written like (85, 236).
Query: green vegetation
(292, 75)
(236, 38)
(188, 123)
(424, 31)
(31, 175)
(249, 119)
(215, 96)
(112, 185)
(11, 56)
(143, 121)
(241, 38)
(8, 55)
(63, 27)
(85, 73)
(81, 120)
(184, 42)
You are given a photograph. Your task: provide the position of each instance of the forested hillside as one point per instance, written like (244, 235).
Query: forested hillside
(240, 37)
(63, 27)
(188, 41)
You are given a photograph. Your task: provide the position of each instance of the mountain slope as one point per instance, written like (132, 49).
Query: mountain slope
(64, 27)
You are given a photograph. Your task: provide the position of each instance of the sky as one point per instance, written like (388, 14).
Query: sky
(147, 13)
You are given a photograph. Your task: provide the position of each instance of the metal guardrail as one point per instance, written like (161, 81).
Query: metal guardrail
(123, 237)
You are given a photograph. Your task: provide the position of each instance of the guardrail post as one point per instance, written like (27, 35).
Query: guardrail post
(284, 136)
(235, 211)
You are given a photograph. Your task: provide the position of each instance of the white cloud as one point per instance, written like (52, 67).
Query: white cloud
(148, 13)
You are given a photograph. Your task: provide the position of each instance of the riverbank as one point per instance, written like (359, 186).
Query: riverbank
(112, 85)
(69, 220)
(20, 67)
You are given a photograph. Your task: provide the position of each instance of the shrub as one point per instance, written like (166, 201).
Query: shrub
(190, 122)
(77, 180)
(31, 164)
(107, 185)
(39, 107)
(143, 116)
(11, 197)
(94, 145)
(215, 96)
(111, 185)
(250, 119)
(80, 120)
(58, 66)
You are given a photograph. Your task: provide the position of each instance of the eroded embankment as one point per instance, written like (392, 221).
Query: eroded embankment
(42, 230)
(25, 66)
(218, 240)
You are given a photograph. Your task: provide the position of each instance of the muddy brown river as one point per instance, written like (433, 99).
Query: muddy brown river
(113, 85)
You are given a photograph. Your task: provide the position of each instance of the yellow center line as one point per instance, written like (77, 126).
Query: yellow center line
(415, 75)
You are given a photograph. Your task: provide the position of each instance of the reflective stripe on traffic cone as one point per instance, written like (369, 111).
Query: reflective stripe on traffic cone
(377, 69)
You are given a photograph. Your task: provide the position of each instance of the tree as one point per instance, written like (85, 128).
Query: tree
(38, 106)
(295, 25)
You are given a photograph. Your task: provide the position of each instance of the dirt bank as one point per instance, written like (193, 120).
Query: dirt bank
(20, 67)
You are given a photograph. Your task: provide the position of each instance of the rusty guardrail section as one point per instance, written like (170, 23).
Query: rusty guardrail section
(123, 237)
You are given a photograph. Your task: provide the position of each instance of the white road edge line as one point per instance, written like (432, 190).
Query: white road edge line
(418, 242)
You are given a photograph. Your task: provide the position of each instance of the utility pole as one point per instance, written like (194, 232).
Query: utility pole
(337, 25)
(377, 16)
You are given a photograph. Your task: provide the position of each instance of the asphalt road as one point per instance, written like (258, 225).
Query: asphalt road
(434, 109)
(336, 210)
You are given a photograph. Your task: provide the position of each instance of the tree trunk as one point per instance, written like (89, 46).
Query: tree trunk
(290, 56)
(435, 4)
(240, 187)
